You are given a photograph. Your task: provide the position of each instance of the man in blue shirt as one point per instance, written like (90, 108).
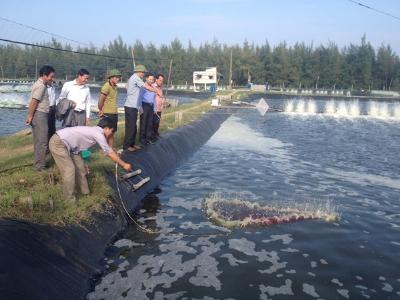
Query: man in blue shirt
(133, 106)
(147, 99)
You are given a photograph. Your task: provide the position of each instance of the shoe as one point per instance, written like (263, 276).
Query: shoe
(131, 149)
(149, 142)
(137, 147)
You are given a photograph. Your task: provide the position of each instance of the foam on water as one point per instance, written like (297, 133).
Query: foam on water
(364, 179)
(234, 212)
(235, 135)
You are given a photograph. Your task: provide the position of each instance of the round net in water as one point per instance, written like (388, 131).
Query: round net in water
(234, 212)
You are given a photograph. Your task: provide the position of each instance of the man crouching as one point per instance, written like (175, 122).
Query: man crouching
(66, 145)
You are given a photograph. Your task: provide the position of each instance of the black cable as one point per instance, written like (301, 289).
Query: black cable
(43, 31)
(63, 50)
(375, 9)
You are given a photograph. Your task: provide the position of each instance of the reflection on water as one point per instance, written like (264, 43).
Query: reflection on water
(284, 159)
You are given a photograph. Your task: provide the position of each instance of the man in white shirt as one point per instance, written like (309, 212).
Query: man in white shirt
(78, 92)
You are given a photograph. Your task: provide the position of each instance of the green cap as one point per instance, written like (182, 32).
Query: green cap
(140, 68)
(114, 73)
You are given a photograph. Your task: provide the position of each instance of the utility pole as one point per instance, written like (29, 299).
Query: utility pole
(133, 58)
(230, 73)
(169, 78)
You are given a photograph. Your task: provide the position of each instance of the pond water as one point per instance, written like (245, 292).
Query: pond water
(345, 163)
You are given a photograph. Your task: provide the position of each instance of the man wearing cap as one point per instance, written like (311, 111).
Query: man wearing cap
(133, 105)
(107, 104)
(78, 92)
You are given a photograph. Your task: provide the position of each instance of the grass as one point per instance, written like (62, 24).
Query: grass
(27, 194)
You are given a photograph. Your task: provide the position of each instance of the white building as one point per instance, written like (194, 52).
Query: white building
(207, 80)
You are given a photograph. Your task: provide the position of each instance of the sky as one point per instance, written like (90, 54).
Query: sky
(228, 21)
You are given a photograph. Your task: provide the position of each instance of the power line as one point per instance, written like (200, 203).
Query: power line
(63, 50)
(375, 9)
(44, 31)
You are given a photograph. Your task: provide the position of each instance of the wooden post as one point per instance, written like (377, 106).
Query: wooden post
(133, 58)
(178, 117)
(2, 72)
(230, 73)
(169, 78)
(36, 72)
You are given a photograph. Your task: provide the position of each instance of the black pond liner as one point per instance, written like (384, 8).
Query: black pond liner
(39, 261)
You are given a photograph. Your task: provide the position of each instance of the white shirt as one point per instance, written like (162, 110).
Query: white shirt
(80, 94)
(51, 90)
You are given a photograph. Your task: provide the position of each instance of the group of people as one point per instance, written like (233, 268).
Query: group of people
(145, 101)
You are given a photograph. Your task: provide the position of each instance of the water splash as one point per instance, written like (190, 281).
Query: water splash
(19, 88)
(289, 106)
(233, 212)
(330, 107)
(396, 111)
(354, 109)
(10, 100)
(300, 108)
(311, 107)
(345, 109)
(342, 109)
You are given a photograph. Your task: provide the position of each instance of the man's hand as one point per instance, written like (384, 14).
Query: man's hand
(140, 111)
(100, 113)
(127, 167)
(73, 104)
(28, 120)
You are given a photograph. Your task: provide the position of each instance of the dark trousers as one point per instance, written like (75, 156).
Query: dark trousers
(130, 126)
(156, 123)
(52, 121)
(80, 118)
(40, 132)
(146, 122)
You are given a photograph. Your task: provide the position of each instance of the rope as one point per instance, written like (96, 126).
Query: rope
(15, 168)
(150, 231)
(44, 31)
